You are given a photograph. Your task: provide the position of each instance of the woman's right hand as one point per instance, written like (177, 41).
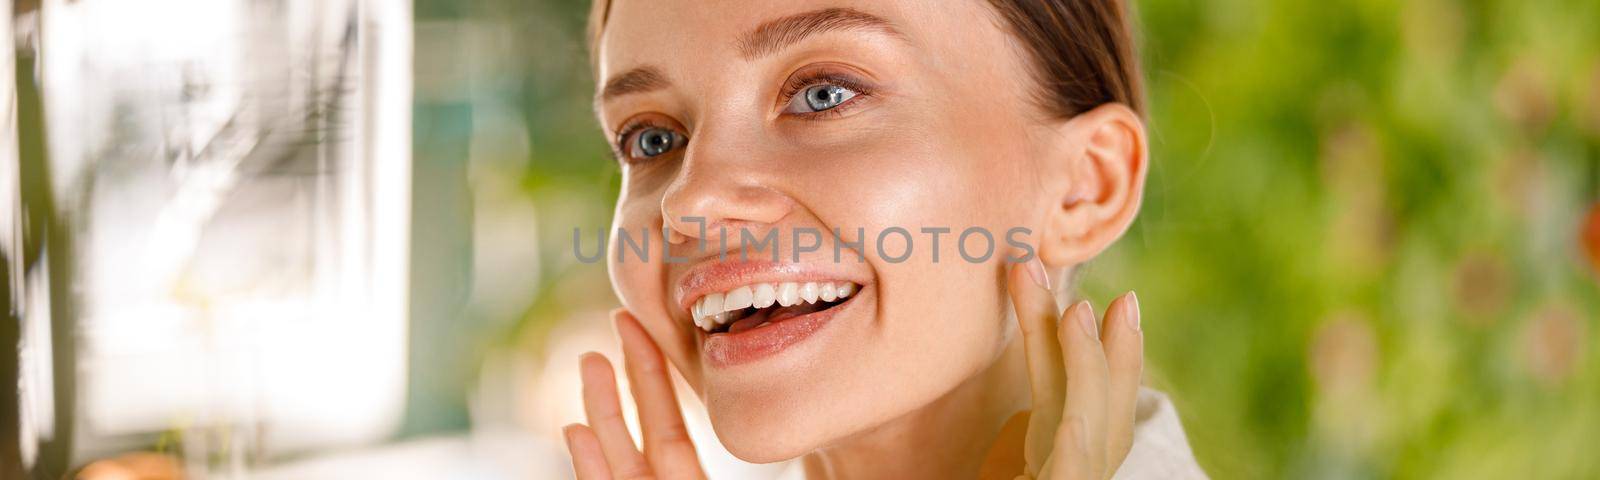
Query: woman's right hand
(603, 449)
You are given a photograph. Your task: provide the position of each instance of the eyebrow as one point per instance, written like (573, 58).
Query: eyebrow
(638, 80)
(766, 39)
(775, 35)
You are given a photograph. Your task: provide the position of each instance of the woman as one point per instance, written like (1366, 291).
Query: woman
(741, 125)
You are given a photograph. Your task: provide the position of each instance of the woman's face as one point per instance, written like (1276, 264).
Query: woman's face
(817, 116)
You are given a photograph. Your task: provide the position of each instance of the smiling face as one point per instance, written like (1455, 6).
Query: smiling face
(817, 116)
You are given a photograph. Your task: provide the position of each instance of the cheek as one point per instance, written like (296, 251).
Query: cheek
(915, 164)
(635, 216)
(640, 283)
(942, 318)
(631, 280)
(932, 173)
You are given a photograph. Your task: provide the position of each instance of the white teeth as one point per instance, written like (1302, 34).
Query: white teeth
(715, 309)
(765, 295)
(789, 294)
(737, 299)
(713, 305)
(826, 292)
(808, 292)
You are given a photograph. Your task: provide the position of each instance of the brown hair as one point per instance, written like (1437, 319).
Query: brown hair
(1082, 50)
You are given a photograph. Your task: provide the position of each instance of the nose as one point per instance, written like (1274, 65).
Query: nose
(721, 189)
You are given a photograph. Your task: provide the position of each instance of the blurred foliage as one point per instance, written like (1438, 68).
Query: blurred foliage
(1359, 254)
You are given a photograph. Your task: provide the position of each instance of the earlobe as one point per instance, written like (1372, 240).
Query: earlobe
(1102, 162)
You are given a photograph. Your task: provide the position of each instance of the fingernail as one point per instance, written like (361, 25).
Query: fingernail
(616, 324)
(1036, 272)
(566, 434)
(585, 358)
(1130, 307)
(1085, 318)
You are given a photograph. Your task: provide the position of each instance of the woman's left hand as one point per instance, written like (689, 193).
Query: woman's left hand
(1085, 380)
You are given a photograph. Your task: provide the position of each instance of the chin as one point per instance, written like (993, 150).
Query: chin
(764, 437)
(766, 425)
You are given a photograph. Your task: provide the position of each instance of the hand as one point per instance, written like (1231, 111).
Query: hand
(134, 466)
(603, 449)
(1085, 378)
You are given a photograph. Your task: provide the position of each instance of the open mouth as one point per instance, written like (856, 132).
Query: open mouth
(755, 306)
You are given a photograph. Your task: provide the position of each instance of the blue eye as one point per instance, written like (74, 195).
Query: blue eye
(817, 98)
(652, 142)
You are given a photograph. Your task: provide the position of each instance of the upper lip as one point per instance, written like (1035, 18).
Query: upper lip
(713, 276)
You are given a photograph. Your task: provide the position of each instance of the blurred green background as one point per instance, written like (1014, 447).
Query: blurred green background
(1360, 255)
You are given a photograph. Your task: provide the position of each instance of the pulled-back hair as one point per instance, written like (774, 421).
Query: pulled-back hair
(1082, 52)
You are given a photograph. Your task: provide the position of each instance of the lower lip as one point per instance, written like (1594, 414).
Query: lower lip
(732, 349)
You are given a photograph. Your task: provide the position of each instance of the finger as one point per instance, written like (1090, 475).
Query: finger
(1124, 349)
(1087, 380)
(666, 441)
(601, 405)
(140, 465)
(1070, 459)
(588, 461)
(1035, 307)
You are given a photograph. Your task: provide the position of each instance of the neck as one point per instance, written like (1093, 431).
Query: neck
(947, 438)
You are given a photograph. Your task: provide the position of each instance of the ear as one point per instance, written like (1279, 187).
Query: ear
(1099, 171)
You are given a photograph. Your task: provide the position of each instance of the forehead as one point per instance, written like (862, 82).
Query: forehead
(657, 32)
